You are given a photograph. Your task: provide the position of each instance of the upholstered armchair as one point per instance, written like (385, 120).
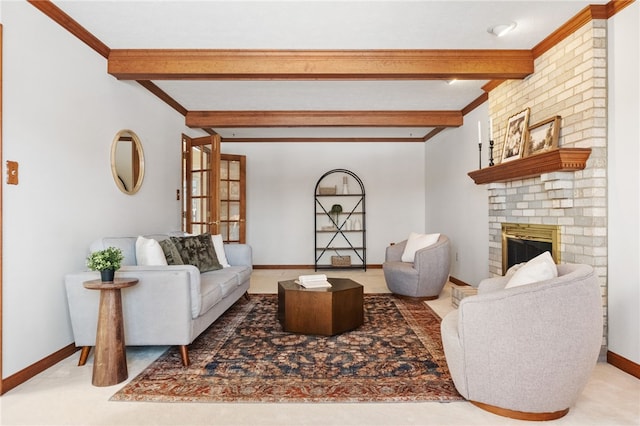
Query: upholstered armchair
(526, 352)
(423, 278)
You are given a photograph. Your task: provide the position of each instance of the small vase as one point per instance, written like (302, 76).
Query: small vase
(345, 185)
(107, 275)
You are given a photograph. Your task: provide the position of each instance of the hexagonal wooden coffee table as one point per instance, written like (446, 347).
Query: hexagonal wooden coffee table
(324, 311)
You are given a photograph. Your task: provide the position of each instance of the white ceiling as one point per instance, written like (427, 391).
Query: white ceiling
(342, 25)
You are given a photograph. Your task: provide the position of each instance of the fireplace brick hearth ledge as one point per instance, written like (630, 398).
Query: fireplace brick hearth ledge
(562, 159)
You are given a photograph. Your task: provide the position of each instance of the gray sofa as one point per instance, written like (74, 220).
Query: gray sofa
(170, 305)
(526, 352)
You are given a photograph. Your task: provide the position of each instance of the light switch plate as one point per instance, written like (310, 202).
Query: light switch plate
(12, 172)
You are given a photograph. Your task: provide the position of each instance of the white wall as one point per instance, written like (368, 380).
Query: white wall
(61, 113)
(281, 178)
(624, 183)
(455, 205)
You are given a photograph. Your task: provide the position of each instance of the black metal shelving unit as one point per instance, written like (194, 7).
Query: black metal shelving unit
(340, 232)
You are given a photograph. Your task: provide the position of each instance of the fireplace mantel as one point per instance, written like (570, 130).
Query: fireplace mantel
(557, 160)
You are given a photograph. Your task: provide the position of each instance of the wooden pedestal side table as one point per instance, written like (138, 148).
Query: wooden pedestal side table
(110, 358)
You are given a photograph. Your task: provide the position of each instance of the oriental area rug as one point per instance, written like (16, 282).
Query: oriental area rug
(395, 356)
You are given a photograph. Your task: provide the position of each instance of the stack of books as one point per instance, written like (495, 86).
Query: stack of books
(313, 281)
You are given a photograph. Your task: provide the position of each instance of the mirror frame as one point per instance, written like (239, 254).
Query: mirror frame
(138, 146)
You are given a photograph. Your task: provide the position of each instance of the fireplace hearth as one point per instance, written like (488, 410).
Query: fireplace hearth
(522, 242)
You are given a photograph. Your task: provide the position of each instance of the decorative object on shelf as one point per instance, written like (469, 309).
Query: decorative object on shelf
(336, 209)
(479, 145)
(515, 136)
(491, 141)
(106, 261)
(327, 190)
(340, 260)
(345, 185)
(346, 235)
(542, 136)
(491, 163)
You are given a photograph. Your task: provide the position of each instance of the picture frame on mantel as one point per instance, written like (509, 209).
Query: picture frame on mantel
(515, 136)
(543, 136)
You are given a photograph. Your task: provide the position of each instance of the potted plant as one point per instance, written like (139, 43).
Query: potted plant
(106, 261)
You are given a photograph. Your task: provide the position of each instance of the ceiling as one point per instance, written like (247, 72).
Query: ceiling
(391, 84)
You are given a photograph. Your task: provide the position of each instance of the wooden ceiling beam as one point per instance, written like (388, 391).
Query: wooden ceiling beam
(194, 64)
(324, 140)
(222, 119)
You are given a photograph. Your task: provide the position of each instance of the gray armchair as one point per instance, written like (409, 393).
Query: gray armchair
(425, 277)
(526, 352)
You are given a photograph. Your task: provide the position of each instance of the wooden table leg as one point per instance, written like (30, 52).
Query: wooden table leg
(110, 359)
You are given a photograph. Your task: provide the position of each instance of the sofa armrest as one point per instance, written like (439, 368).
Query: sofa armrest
(239, 254)
(158, 310)
(394, 252)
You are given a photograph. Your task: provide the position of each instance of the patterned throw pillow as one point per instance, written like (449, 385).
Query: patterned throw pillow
(171, 252)
(197, 251)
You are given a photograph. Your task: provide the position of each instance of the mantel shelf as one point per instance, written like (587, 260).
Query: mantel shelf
(557, 160)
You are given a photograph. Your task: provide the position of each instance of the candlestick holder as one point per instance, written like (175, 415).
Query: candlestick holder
(480, 155)
(491, 152)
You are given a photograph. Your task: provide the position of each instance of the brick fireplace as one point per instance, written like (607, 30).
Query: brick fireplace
(569, 81)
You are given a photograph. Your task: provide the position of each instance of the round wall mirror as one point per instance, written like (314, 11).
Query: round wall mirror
(127, 161)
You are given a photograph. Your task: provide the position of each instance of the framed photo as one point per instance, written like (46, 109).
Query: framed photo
(543, 136)
(515, 137)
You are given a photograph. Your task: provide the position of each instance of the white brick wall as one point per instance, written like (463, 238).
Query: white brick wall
(569, 81)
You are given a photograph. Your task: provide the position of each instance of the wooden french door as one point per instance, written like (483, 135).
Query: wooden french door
(200, 175)
(233, 211)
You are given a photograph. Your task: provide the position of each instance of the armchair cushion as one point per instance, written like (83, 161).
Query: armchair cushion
(540, 268)
(416, 242)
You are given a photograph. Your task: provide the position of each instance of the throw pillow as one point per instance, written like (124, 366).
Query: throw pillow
(218, 246)
(198, 251)
(149, 252)
(171, 253)
(540, 268)
(416, 242)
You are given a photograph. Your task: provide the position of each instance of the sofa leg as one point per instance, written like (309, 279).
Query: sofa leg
(246, 295)
(184, 353)
(84, 354)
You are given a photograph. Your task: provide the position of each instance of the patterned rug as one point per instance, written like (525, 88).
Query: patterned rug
(246, 357)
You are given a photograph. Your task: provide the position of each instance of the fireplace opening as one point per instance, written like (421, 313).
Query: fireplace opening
(522, 242)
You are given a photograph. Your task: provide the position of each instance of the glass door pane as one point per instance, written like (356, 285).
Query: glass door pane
(232, 198)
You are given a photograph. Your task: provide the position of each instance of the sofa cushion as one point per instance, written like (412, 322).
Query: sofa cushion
(149, 252)
(210, 293)
(242, 272)
(417, 242)
(171, 253)
(198, 251)
(540, 268)
(218, 246)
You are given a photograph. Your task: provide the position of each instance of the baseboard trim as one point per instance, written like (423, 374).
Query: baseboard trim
(373, 266)
(457, 281)
(624, 364)
(34, 369)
